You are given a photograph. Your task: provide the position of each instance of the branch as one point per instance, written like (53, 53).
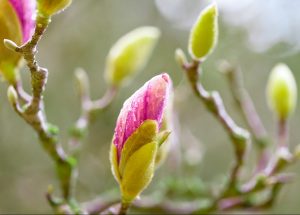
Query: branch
(214, 104)
(88, 108)
(245, 103)
(34, 114)
(102, 206)
(247, 108)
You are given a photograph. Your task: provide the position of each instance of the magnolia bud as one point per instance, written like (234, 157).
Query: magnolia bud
(130, 54)
(137, 138)
(204, 34)
(282, 91)
(50, 7)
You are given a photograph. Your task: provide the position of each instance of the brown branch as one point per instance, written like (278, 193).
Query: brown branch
(34, 114)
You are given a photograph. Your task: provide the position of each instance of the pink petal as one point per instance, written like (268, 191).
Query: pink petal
(25, 10)
(146, 103)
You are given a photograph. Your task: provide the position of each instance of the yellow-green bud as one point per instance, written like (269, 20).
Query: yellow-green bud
(282, 91)
(10, 45)
(51, 7)
(180, 57)
(204, 34)
(130, 54)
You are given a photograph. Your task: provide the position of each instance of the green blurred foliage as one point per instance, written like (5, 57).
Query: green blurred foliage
(82, 36)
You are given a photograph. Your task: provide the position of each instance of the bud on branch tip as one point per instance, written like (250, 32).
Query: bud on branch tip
(282, 91)
(204, 34)
(137, 138)
(10, 44)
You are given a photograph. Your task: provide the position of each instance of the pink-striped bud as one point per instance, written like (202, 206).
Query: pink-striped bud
(148, 103)
(17, 23)
(138, 136)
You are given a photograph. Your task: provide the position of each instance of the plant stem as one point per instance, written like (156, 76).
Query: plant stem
(214, 103)
(282, 133)
(34, 114)
(88, 108)
(124, 208)
(249, 113)
(245, 103)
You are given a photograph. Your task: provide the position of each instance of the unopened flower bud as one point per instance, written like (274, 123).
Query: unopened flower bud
(180, 57)
(130, 54)
(204, 34)
(10, 45)
(282, 91)
(136, 140)
(50, 7)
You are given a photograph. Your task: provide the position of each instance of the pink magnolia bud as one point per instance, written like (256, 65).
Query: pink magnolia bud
(148, 103)
(25, 11)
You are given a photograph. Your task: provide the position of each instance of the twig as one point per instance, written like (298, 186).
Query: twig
(245, 103)
(33, 112)
(249, 113)
(238, 136)
(282, 133)
(101, 205)
(88, 107)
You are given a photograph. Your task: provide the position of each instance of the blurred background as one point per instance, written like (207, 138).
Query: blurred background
(254, 35)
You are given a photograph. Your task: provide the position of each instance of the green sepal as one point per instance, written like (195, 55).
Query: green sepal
(138, 172)
(164, 147)
(146, 133)
(114, 162)
(204, 34)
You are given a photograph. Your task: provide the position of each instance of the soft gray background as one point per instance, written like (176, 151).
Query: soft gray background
(81, 37)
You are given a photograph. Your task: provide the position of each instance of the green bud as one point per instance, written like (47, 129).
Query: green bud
(50, 7)
(10, 45)
(180, 57)
(204, 34)
(282, 91)
(130, 54)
